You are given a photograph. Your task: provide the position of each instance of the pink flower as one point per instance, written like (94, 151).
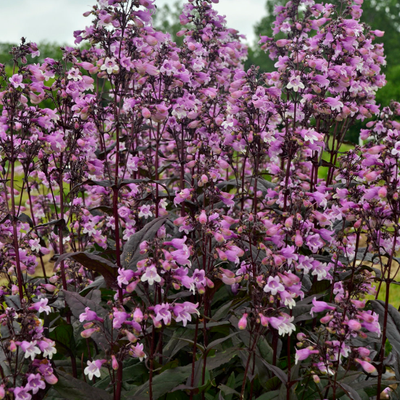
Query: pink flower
(30, 349)
(137, 351)
(47, 346)
(89, 315)
(110, 65)
(93, 368)
(319, 306)
(162, 312)
(233, 253)
(119, 317)
(199, 278)
(314, 242)
(396, 149)
(21, 393)
(46, 371)
(145, 211)
(295, 83)
(273, 285)
(203, 218)
(366, 366)
(124, 276)
(283, 324)
(183, 312)
(242, 324)
(87, 333)
(354, 325)
(16, 81)
(151, 275)
(138, 315)
(304, 354)
(35, 383)
(181, 196)
(334, 103)
(41, 306)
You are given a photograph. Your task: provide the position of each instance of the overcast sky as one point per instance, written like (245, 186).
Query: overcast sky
(55, 20)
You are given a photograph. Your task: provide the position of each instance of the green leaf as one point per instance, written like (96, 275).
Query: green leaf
(63, 335)
(26, 219)
(265, 349)
(228, 390)
(75, 389)
(219, 341)
(131, 254)
(95, 263)
(176, 343)
(352, 393)
(162, 384)
(274, 394)
(393, 322)
(98, 283)
(276, 371)
(13, 301)
(213, 362)
(77, 304)
(222, 311)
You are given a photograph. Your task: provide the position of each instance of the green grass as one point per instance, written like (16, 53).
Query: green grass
(394, 294)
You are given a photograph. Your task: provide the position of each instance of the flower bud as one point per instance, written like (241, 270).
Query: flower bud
(298, 240)
(138, 315)
(209, 282)
(243, 322)
(203, 218)
(114, 363)
(146, 113)
(13, 346)
(131, 287)
(366, 366)
(354, 325)
(131, 337)
(87, 333)
(263, 320)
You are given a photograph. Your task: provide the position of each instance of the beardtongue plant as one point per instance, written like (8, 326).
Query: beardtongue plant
(207, 239)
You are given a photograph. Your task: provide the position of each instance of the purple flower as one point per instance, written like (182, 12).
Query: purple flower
(16, 81)
(30, 349)
(145, 211)
(283, 324)
(47, 346)
(89, 315)
(334, 103)
(93, 368)
(295, 83)
(319, 306)
(162, 312)
(151, 275)
(304, 354)
(273, 285)
(137, 351)
(110, 65)
(119, 317)
(35, 383)
(41, 306)
(21, 393)
(199, 278)
(183, 312)
(314, 242)
(124, 276)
